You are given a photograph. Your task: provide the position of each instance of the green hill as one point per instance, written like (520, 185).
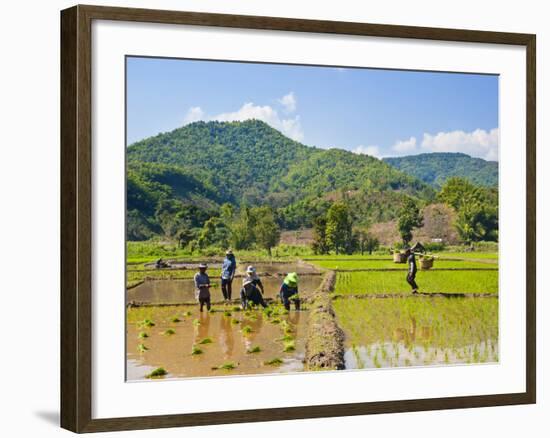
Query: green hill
(203, 165)
(435, 168)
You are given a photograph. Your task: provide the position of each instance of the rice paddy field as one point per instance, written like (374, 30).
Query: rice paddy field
(383, 325)
(387, 282)
(183, 342)
(414, 332)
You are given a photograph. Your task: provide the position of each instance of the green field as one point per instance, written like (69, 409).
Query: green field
(354, 283)
(376, 263)
(404, 332)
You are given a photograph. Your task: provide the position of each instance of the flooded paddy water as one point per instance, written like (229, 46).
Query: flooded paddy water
(398, 332)
(183, 291)
(251, 341)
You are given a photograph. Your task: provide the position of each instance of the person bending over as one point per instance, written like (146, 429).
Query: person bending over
(289, 291)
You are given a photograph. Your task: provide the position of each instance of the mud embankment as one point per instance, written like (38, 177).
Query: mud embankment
(325, 339)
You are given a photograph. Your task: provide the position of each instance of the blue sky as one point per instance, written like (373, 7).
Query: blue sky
(379, 112)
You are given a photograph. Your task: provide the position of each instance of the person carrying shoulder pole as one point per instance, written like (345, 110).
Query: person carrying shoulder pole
(229, 266)
(202, 287)
(412, 268)
(288, 290)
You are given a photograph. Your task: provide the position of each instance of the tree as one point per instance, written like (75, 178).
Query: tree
(266, 231)
(476, 221)
(365, 241)
(320, 244)
(339, 228)
(409, 218)
(214, 232)
(185, 236)
(455, 190)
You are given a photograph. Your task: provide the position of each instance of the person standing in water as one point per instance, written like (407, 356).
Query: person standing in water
(202, 287)
(229, 266)
(288, 290)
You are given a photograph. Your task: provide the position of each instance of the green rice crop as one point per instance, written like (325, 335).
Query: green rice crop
(426, 331)
(175, 319)
(228, 366)
(195, 350)
(255, 349)
(142, 348)
(168, 332)
(158, 372)
(143, 335)
(246, 329)
(273, 362)
(428, 281)
(289, 346)
(206, 341)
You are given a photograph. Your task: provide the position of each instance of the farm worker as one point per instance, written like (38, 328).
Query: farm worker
(202, 287)
(161, 264)
(252, 290)
(411, 272)
(289, 288)
(229, 266)
(253, 275)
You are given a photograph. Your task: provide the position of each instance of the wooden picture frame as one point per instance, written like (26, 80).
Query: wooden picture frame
(76, 217)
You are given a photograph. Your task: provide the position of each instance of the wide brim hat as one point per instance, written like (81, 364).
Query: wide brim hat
(203, 266)
(291, 279)
(251, 270)
(229, 252)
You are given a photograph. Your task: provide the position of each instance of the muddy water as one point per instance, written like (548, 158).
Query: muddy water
(183, 291)
(229, 344)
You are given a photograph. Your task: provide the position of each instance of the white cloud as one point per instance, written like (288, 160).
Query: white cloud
(194, 114)
(478, 143)
(290, 127)
(373, 151)
(405, 146)
(289, 102)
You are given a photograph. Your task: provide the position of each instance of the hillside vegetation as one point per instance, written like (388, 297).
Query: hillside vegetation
(436, 168)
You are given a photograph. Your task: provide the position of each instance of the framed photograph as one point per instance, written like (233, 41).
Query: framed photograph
(270, 218)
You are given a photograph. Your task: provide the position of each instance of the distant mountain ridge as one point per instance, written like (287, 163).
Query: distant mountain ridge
(435, 168)
(205, 164)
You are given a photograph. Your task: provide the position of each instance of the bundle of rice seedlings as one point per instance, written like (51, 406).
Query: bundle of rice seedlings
(142, 348)
(255, 349)
(143, 335)
(273, 362)
(195, 350)
(158, 372)
(246, 329)
(206, 341)
(169, 332)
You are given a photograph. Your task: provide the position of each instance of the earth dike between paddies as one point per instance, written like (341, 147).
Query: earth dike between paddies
(325, 339)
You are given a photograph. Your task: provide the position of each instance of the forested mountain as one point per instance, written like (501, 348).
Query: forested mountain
(435, 168)
(181, 178)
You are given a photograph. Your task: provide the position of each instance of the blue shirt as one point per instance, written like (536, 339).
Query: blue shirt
(229, 266)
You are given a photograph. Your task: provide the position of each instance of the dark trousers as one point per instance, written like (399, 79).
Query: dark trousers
(255, 298)
(286, 299)
(411, 280)
(203, 301)
(226, 288)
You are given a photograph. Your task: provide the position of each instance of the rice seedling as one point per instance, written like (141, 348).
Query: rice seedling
(246, 329)
(147, 323)
(206, 341)
(236, 309)
(286, 338)
(142, 348)
(273, 362)
(142, 335)
(227, 313)
(227, 366)
(187, 313)
(289, 346)
(196, 322)
(275, 321)
(195, 350)
(235, 321)
(157, 372)
(255, 349)
(168, 332)
(175, 319)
